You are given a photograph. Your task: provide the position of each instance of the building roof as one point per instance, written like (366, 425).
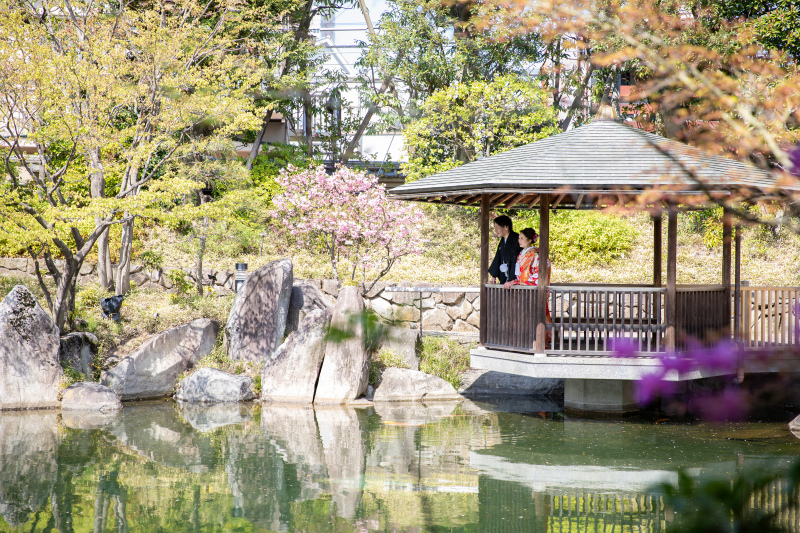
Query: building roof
(589, 166)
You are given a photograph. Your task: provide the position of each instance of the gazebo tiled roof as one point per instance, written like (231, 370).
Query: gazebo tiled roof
(602, 158)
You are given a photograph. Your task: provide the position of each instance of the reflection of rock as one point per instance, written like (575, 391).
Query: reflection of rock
(414, 414)
(257, 319)
(209, 385)
(343, 444)
(290, 375)
(79, 349)
(402, 384)
(293, 430)
(157, 432)
(29, 367)
(90, 396)
(487, 383)
(28, 463)
(153, 369)
(88, 419)
(345, 370)
(207, 417)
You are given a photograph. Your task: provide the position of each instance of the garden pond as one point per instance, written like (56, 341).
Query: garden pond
(470, 466)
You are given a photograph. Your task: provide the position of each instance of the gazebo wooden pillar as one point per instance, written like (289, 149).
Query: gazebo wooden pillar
(485, 211)
(544, 279)
(671, 303)
(657, 252)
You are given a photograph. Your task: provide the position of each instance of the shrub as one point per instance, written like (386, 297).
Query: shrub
(444, 358)
(588, 237)
(382, 360)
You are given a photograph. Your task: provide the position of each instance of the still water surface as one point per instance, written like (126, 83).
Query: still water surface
(454, 467)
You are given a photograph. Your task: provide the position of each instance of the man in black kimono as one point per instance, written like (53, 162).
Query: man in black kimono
(503, 267)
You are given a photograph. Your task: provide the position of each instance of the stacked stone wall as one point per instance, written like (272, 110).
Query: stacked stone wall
(454, 312)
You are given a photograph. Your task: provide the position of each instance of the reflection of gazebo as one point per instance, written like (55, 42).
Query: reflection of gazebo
(601, 164)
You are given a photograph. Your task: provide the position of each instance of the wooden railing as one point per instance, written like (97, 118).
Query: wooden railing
(769, 316)
(587, 319)
(702, 312)
(511, 317)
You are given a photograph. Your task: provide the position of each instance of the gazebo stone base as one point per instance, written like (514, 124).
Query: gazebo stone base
(600, 397)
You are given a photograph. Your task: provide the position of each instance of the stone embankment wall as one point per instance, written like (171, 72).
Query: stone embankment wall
(454, 312)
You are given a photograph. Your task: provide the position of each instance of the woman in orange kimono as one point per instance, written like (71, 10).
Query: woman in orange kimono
(528, 263)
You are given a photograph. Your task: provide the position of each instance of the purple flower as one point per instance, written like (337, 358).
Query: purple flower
(624, 347)
(728, 406)
(723, 356)
(652, 385)
(794, 158)
(679, 363)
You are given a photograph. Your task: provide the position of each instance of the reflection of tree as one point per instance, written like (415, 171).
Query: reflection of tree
(109, 491)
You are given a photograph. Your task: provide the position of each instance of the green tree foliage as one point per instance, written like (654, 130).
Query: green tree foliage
(772, 24)
(464, 122)
(121, 108)
(427, 45)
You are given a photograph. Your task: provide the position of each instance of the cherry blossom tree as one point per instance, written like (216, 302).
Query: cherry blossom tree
(347, 216)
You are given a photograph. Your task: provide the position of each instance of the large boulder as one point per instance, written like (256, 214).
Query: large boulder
(30, 370)
(153, 369)
(305, 298)
(345, 369)
(206, 417)
(209, 385)
(404, 385)
(90, 396)
(488, 383)
(794, 426)
(257, 320)
(78, 350)
(290, 375)
(403, 342)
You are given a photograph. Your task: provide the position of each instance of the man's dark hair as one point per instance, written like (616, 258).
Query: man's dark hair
(505, 222)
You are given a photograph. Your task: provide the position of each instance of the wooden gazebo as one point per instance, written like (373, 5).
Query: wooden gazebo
(601, 164)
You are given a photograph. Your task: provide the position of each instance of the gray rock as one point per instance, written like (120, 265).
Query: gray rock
(461, 311)
(305, 298)
(374, 291)
(290, 375)
(465, 327)
(78, 350)
(415, 414)
(452, 298)
(345, 369)
(488, 383)
(403, 298)
(153, 369)
(209, 385)
(331, 286)
(403, 385)
(794, 426)
(29, 366)
(436, 320)
(404, 342)
(257, 320)
(90, 396)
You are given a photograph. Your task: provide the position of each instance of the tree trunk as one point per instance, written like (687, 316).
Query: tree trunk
(259, 139)
(64, 300)
(98, 190)
(123, 281)
(309, 130)
(105, 273)
(201, 249)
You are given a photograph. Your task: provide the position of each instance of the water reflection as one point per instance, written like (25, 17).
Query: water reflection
(457, 467)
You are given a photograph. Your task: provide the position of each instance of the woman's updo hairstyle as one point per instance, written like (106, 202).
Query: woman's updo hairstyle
(529, 233)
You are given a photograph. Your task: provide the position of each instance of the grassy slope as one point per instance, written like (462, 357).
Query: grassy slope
(452, 255)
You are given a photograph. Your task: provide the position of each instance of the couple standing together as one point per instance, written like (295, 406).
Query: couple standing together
(517, 259)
